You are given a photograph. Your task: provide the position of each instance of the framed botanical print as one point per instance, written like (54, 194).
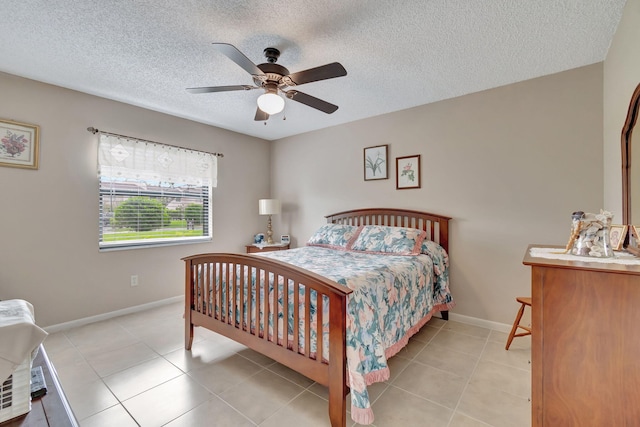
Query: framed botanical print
(375, 163)
(19, 144)
(408, 172)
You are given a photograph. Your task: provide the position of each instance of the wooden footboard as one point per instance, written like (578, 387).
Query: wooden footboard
(218, 290)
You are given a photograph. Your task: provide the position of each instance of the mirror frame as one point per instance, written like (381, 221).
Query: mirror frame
(627, 131)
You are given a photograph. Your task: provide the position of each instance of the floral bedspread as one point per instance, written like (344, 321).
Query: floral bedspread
(394, 295)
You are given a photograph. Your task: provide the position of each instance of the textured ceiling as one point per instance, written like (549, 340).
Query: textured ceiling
(398, 54)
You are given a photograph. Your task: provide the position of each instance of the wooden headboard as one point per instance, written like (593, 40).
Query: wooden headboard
(436, 226)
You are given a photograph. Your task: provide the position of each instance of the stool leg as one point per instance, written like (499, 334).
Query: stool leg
(515, 327)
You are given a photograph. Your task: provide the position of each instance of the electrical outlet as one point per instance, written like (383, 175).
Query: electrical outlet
(134, 280)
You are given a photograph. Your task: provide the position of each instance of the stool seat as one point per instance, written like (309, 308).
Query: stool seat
(524, 302)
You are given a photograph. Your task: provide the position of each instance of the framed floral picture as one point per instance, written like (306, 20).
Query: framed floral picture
(617, 234)
(19, 144)
(375, 163)
(408, 172)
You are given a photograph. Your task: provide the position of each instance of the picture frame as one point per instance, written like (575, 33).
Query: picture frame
(19, 144)
(408, 172)
(376, 165)
(635, 229)
(617, 234)
(284, 239)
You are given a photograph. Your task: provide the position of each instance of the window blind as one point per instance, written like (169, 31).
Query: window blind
(153, 194)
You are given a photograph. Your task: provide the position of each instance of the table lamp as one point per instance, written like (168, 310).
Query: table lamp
(269, 207)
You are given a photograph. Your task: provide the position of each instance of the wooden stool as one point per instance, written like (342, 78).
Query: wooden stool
(524, 301)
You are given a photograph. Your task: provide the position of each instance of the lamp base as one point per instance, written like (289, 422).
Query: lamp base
(269, 232)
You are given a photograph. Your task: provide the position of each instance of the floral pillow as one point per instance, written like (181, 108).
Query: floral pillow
(438, 255)
(389, 240)
(336, 236)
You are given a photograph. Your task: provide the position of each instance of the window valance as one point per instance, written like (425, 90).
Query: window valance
(128, 158)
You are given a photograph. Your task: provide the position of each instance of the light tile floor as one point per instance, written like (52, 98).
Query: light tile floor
(133, 370)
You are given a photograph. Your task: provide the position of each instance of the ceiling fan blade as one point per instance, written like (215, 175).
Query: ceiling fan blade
(311, 101)
(323, 72)
(209, 89)
(231, 52)
(261, 116)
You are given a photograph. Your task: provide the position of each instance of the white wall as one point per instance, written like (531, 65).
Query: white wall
(621, 76)
(49, 217)
(509, 165)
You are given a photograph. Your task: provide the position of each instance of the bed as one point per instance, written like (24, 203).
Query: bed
(334, 326)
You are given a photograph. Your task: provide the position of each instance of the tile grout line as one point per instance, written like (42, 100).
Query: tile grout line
(464, 389)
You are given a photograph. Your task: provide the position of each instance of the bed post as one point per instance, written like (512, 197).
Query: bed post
(337, 360)
(188, 304)
(443, 237)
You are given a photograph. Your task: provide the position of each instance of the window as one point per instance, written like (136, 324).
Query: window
(153, 194)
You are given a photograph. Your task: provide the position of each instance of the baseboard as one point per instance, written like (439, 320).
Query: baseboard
(501, 327)
(105, 316)
(496, 326)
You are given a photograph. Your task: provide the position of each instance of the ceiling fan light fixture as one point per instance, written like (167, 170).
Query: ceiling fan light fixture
(271, 103)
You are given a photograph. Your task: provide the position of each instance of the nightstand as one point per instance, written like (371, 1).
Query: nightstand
(251, 249)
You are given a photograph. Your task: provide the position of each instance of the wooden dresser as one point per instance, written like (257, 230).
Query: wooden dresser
(585, 343)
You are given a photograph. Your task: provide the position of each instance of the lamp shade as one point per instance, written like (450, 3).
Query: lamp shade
(270, 103)
(269, 206)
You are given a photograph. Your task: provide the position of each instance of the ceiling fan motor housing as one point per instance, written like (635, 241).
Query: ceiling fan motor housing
(274, 73)
(271, 87)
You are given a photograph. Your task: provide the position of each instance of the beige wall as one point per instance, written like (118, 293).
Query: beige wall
(48, 217)
(509, 165)
(621, 76)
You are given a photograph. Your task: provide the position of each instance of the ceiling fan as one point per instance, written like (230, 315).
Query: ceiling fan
(275, 79)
